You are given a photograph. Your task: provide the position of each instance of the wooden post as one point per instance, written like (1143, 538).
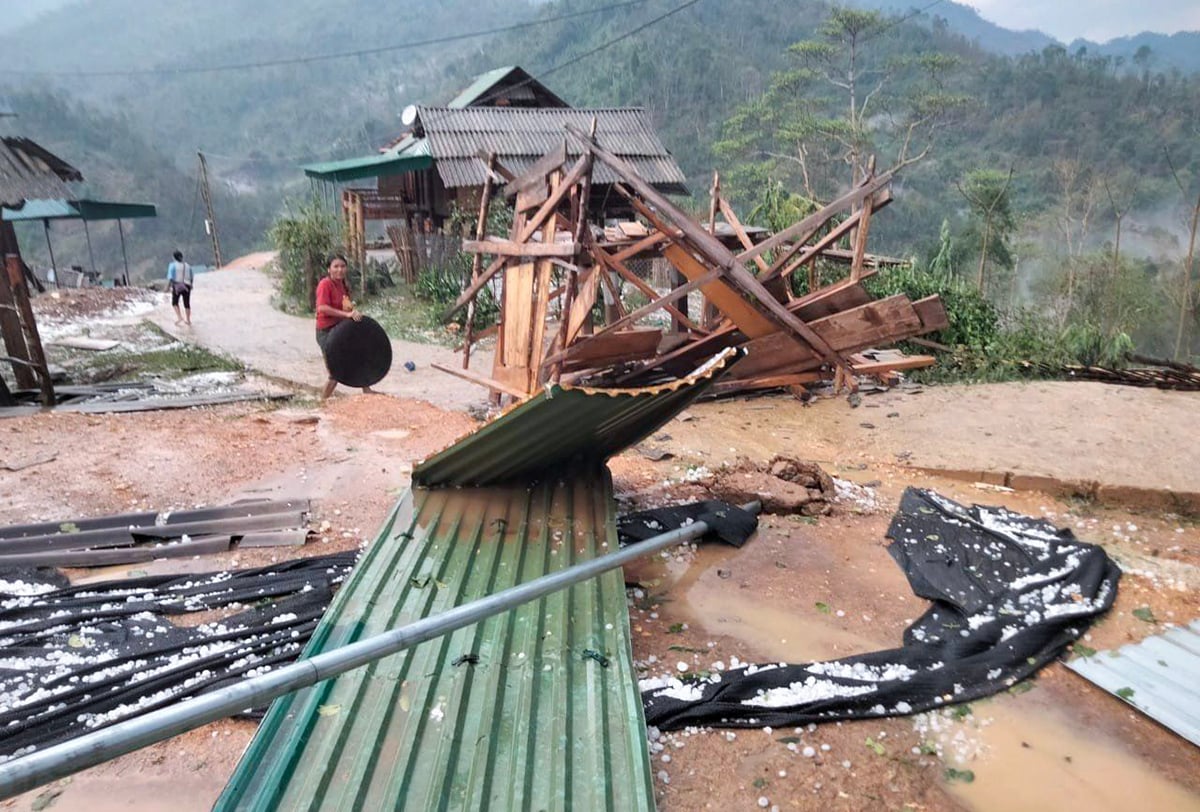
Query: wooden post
(485, 200)
(710, 315)
(210, 215)
(10, 321)
(20, 293)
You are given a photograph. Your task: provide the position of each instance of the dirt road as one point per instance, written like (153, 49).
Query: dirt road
(1063, 744)
(232, 314)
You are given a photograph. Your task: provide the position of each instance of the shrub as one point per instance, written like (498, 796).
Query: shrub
(304, 241)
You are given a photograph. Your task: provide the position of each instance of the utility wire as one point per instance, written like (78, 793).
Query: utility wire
(301, 60)
(553, 69)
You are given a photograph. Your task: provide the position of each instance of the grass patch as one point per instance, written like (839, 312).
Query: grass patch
(407, 317)
(166, 358)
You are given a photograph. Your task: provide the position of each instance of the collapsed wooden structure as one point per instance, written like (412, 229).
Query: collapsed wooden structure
(561, 317)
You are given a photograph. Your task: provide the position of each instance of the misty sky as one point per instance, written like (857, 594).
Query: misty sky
(1096, 20)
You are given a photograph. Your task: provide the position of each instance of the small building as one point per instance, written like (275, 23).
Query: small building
(440, 162)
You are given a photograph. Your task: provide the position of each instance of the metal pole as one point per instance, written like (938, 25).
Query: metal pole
(124, 256)
(91, 257)
(60, 760)
(50, 248)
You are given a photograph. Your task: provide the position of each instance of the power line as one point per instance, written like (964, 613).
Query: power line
(301, 60)
(553, 69)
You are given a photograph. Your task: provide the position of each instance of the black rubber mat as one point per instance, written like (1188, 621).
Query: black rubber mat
(358, 353)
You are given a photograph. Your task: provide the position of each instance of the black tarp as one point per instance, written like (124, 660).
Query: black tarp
(75, 659)
(727, 523)
(1009, 594)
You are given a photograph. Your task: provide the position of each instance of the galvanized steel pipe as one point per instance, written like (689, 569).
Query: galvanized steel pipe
(60, 760)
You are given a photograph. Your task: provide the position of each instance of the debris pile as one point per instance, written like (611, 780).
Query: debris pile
(134, 537)
(785, 486)
(561, 316)
(1009, 593)
(78, 658)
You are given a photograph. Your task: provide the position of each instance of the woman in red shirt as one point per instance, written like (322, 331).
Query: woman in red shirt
(333, 306)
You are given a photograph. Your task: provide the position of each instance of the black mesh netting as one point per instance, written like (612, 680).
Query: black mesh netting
(1009, 594)
(75, 659)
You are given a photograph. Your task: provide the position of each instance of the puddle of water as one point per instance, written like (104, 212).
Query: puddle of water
(1063, 766)
(1030, 757)
(723, 606)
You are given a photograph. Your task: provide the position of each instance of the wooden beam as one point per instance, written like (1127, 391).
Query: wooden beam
(814, 221)
(744, 238)
(485, 200)
(482, 380)
(638, 283)
(719, 255)
(543, 166)
(628, 318)
(641, 245)
(505, 248)
(727, 300)
(613, 347)
(20, 294)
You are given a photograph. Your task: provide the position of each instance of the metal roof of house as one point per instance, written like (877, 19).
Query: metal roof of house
(90, 210)
(535, 708)
(29, 172)
(561, 424)
(1158, 676)
(511, 84)
(395, 162)
(519, 136)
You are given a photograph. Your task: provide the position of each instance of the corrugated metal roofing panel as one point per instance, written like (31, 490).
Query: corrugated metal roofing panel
(90, 210)
(520, 85)
(661, 172)
(456, 136)
(30, 172)
(561, 424)
(537, 722)
(367, 166)
(1158, 676)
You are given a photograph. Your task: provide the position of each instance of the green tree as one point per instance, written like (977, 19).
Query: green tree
(304, 240)
(987, 193)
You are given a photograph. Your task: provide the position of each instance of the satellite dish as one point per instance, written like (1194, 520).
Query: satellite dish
(408, 116)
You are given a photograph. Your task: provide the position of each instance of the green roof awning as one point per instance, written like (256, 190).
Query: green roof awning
(90, 210)
(370, 166)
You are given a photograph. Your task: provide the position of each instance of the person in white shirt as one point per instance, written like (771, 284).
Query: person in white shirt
(179, 277)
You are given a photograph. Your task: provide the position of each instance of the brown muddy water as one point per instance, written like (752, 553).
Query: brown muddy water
(1024, 754)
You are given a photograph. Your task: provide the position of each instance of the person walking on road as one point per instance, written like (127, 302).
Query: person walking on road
(334, 306)
(179, 277)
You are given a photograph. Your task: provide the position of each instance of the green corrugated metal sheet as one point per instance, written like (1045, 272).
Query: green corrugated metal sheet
(90, 210)
(536, 723)
(370, 166)
(562, 423)
(484, 83)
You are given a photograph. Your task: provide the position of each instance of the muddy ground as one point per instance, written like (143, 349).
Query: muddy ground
(800, 590)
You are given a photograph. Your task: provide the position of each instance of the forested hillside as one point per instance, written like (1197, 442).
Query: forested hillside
(1057, 177)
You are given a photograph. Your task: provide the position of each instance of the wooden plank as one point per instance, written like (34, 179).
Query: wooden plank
(585, 300)
(717, 254)
(485, 200)
(482, 380)
(645, 310)
(740, 232)
(612, 347)
(543, 166)
(519, 281)
(507, 248)
(932, 313)
(728, 301)
(641, 245)
(638, 283)
(883, 322)
(860, 240)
